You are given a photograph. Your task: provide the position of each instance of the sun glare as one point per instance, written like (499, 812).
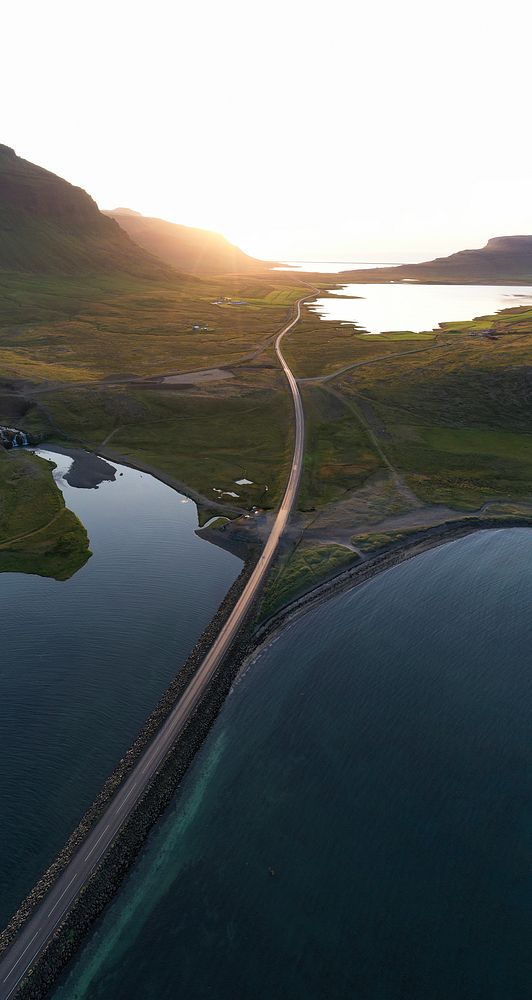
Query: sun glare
(282, 129)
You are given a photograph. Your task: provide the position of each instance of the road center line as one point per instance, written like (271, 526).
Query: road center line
(94, 846)
(21, 956)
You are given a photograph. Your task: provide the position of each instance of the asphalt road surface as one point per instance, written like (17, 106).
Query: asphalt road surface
(37, 931)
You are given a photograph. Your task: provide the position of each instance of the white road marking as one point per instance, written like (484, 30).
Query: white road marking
(21, 956)
(132, 789)
(63, 893)
(94, 846)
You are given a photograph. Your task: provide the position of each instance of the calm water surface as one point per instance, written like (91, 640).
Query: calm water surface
(83, 662)
(413, 307)
(359, 822)
(329, 266)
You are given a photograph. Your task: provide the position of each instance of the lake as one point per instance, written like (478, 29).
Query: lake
(84, 661)
(358, 823)
(414, 307)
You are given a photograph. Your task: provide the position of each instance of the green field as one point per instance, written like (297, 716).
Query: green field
(37, 533)
(339, 454)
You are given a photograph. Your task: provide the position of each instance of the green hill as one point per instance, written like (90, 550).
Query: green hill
(505, 260)
(196, 251)
(50, 227)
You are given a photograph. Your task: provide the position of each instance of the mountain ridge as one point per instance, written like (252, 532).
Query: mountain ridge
(193, 250)
(503, 260)
(51, 227)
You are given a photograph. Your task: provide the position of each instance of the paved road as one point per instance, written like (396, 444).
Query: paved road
(36, 933)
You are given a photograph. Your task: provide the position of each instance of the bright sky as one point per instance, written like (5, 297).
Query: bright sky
(380, 130)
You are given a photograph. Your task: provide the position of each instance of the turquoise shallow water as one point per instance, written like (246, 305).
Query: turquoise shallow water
(83, 662)
(359, 821)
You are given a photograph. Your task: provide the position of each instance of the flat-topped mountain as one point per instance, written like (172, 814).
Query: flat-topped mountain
(504, 260)
(196, 251)
(48, 226)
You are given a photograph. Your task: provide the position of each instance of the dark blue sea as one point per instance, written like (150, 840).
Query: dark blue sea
(358, 825)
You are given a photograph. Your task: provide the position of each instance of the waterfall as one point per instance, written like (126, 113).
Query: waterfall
(20, 440)
(12, 437)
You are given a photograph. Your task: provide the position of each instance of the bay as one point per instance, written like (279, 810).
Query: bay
(359, 820)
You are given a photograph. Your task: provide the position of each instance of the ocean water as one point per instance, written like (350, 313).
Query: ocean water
(359, 822)
(84, 661)
(416, 308)
(329, 266)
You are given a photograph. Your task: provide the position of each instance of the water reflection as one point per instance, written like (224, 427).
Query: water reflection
(413, 307)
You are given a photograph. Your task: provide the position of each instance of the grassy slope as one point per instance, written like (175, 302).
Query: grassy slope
(48, 226)
(301, 570)
(37, 533)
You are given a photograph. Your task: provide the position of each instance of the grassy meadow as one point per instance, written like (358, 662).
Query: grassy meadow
(74, 356)
(339, 453)
(73, 330)
(448, 411)
(37, 533)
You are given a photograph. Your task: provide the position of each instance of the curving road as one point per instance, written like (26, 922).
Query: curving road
(37, 931)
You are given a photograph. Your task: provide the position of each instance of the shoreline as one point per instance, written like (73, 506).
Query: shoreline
(249, 644)
(65, 447)
(88, 470)
(360, 573)
(90, 477)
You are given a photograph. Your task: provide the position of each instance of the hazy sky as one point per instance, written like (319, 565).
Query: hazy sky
(343, 130)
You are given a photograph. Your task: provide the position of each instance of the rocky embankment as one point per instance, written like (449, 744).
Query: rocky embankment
(108, 876)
